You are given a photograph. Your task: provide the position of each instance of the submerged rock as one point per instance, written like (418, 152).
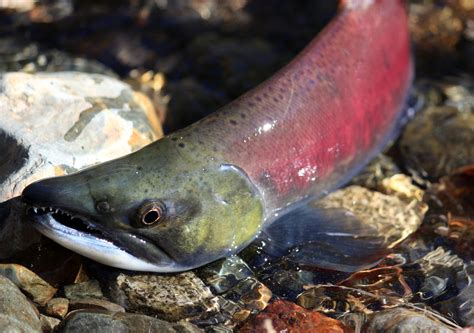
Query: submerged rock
(224, 274)
(283, 316)
(452, 210)
(444, 282)
(17, 314)
(111, 322)
(39, 290)
(83, 290)
(57, 307)
(391, 217)
(438, 141)
(402, 320)
(251, 294)
(375, 172)
(340, 300)
(169, 297)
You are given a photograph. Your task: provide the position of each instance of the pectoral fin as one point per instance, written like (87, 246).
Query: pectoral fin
(331, 238)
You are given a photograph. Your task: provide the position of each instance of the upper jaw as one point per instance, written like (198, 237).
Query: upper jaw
(111, 247)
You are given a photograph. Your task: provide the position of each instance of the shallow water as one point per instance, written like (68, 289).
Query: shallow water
(191, 57)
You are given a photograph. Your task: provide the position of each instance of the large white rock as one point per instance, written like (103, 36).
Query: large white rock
(53, 124)
(57, 123)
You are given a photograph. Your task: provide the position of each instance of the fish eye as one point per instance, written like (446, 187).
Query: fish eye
(150, 213)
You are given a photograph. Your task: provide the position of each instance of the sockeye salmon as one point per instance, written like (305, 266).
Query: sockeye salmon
(250, 169)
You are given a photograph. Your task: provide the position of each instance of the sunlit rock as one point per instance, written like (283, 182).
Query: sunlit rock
(110, 322)
(169, 297)
(39, 290)
(17, 314)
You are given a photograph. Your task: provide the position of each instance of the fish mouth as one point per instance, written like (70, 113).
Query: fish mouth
(83, 235)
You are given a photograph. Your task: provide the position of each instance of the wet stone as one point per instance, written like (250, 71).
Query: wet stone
(438, 141)
(224, 274)
(284, 316)
(57, 307)
(461, 306)
(451, 211)
(372, 175)
(95, 304)
(392, 218)
(168, 297)
(401, 186)
(83, 290)
(17, 314)
(340, 300)
(110, 322)
(402, 320)
(443, 281)
(48, 324)
(34, 286)
(436, 31)
(250, 293)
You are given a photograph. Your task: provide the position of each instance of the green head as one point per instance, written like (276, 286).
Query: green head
(165, 208)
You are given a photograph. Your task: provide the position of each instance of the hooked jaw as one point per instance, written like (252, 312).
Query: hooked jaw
(84, 235)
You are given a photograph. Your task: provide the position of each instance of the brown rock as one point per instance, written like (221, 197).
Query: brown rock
(57, 307)
(391, 217)
(38, 289)
(95, 304)
(168, 297)
(17, 314)
(283, 316)
(106, 322)
(82, 290)
(438, 141)
(48, 323)
(402, 320)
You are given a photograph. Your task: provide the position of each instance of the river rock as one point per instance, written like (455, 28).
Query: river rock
(17, 314)
(39, 290)
(110, 322)
(57, 123)
(48, 323)
(95, 119)
(391, 217)
(284, 316)
(95, 304)
(438, 141)
(225, 273)
(380, 168)
(57, 307)
(83, 290)
(168, 297)
(402, 320)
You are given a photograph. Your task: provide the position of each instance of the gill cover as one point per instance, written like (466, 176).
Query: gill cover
(167, 207)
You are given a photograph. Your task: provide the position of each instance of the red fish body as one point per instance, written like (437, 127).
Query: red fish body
(323, 115)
